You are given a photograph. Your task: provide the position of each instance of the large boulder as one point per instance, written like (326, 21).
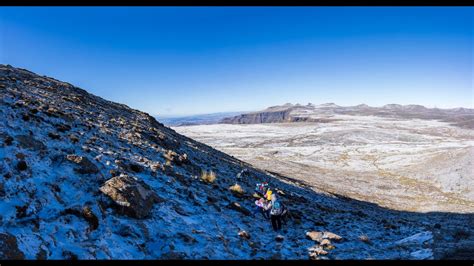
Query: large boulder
(320, 236)
(316, 251)
(237, 190)
(84, 165)
(132, 197)
(9, 248)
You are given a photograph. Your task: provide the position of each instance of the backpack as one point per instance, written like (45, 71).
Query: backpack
(277, 208)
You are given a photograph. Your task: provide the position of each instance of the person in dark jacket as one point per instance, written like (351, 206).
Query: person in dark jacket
(275, 212)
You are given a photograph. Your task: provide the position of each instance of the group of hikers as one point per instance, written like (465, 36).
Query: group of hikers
(269, 206)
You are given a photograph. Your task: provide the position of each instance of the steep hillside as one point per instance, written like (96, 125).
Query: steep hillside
(461, 117)
(86, 178)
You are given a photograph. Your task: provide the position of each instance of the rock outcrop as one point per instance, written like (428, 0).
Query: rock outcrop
(9, 248)
(84, 165)
(461, 117)
(132, 197)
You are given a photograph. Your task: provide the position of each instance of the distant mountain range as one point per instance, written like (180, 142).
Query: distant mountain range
(196, 119)
(462, 117)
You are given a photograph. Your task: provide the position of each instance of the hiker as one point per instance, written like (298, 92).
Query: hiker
(261, 189)
(268, 194)
(241, 173)
(275, 212)
(261, 207)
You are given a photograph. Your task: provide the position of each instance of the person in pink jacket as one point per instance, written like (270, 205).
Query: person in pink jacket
(262, 208)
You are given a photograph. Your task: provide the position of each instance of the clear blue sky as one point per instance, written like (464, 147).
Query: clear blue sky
(191, 60)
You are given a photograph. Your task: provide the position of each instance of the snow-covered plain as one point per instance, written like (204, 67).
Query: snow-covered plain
(406, 164)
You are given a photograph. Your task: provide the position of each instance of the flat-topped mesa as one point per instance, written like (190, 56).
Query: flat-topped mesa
(363, 105)
(323, 113)
(392, 106)
(327, 105)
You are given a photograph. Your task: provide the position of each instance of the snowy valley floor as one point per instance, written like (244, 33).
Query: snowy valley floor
(413, 164)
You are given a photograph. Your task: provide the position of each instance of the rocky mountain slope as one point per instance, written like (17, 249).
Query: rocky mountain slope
(462, 117)
(85, 178)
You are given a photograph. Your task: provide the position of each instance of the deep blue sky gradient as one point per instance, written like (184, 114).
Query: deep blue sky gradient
(190, 60)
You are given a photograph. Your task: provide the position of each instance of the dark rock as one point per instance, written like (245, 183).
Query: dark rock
(132, 197)
(187, 238)
(211, 199)
(68, 255)
(86, 213)
(29, 142)
(21, 211)
(53, 112)
(63, 128)
(181, 159)
(55, 188)
(114, 172)
(127, 231)
(92, 140)
(236, 206)
(21, 166)
(73, 138)
(180, 211)
(181, 178)
(41, 255)
(8, 140)
(85, 166)
(54, 135)
(135, 168)
(279, 238)
(9, 248)
(390, 226)
(90, 217)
